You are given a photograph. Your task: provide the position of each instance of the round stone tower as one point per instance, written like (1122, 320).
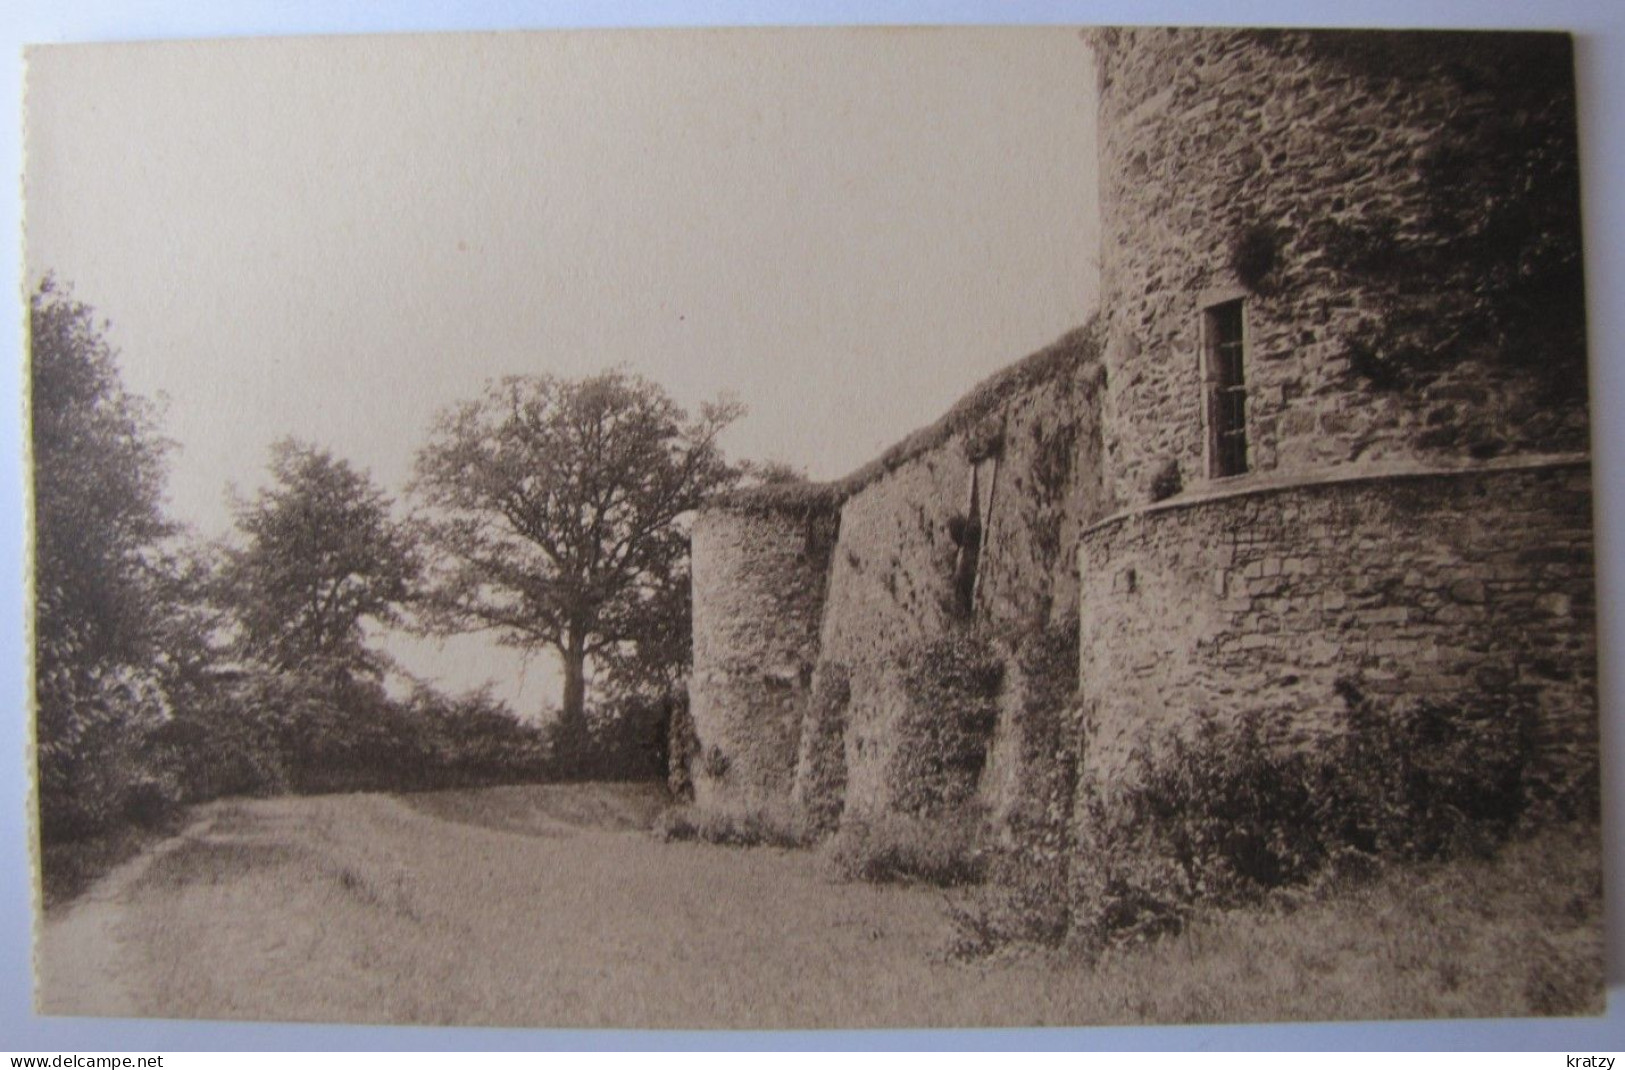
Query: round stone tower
(760, 569)
(1336, 249)
(1345, 421)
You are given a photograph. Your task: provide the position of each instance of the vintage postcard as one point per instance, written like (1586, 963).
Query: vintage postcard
(812, 528)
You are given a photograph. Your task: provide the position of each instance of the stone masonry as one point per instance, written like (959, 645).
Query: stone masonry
(1409, 585)
(1412, 514)
(1212, 137)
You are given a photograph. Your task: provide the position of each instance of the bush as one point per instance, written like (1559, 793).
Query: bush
(1028, 905)
(944, 850)
(101, 766)
(682, 750)
(952, 686)
(1426, 780)
(1167, 482)
(469, 740)
(259, 731)
(764, 827)
(1026, 899)
(629, 737)
(1226, 815)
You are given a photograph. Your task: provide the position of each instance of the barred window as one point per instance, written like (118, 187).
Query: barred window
(1225, 343)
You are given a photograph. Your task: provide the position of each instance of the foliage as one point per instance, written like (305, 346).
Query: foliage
(984, 439)
(772, 474)
(1026, 899)
(99, 469)
(473, 739)
(820, 785)
(323, 558)
(272, 731)
(1254, 253)
(168, 674)
(1167, 482)
(1424, 780)
(99, 566)
(761, 826)
(890, 848)
(1228, 815)
(1055, 453)
(683, 750)
(69, 867)
(98, 764)
(1500, 228)
(629, 737)
(558, 510)
(952, 685)
(1030, 910)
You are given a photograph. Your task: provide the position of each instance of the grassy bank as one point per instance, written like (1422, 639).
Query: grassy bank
(1517, 935)
(554, 906)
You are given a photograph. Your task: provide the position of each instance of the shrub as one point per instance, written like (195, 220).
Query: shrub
(1167, 482)
(1427, 779)
(1025, 905)
(1226, 815)
(468, 740)
(1254, 253)
(1026, 899)
(103, 767)
(945, 850)
(682, 750)
(767, 826)
(629, 737)
(952, 686)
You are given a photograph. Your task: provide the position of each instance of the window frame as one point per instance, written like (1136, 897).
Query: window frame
(1216, 389)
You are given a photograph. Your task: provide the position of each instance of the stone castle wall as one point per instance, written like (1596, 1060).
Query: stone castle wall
(894, 570)
(1416, 514)
(1310, 174)
(892, 587)
(1439, 585)
(780, 634)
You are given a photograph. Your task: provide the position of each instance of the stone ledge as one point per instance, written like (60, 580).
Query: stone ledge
(1262, 484)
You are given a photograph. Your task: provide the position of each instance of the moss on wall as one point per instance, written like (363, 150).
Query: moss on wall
(759, 584)
(1398, 211)
(951, 689)
(819, 791)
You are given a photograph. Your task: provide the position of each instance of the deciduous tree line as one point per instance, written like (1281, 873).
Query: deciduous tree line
(548, 513)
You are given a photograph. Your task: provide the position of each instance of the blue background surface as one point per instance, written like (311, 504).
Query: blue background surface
(1600, 26)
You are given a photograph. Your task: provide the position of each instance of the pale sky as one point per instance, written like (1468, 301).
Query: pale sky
(334, 238)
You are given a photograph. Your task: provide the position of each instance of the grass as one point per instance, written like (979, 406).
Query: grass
(547, 809)
(895, 848)
(759, 827)
(1517, 935)
(548, 906)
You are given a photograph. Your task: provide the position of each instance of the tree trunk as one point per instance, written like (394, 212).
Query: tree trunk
(571, 742)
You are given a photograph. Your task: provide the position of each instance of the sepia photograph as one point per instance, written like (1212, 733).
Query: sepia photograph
(812, 528)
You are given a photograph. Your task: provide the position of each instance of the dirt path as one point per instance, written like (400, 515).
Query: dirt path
(518, 906)
(81, 965)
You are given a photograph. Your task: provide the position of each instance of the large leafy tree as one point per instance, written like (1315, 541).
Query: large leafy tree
(99, 469)
(558, 520)
(321, 557)
(100, 575)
